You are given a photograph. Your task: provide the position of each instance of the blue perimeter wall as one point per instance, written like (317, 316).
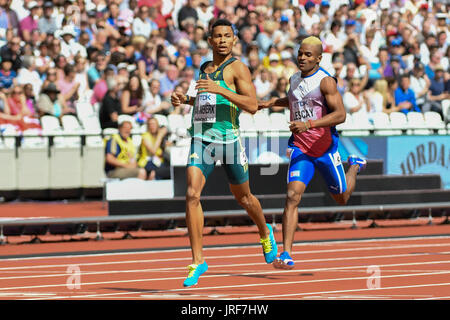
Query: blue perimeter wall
(401, 154)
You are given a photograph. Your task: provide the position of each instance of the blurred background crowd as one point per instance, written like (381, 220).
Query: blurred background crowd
(128, 56)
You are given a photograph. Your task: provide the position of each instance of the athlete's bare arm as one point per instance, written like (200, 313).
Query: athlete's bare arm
(178, 98)
(238, 77)
(274, 102)
(335, 104)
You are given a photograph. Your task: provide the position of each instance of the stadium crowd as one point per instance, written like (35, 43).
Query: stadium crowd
(128, 56)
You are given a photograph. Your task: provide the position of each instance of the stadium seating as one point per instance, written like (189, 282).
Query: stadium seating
(416, 124)
(382, 125)
(434, 121)
(91, 124)
(398, 121)
(71, 125)
(347, 125)
(263, 123)
(247, 124)
(162, 120)
(360, 125)
(279, 123)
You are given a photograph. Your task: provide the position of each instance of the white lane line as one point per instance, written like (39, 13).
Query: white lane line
(347, 290)
(84, 273)
(272, 272)
(217, 247)
(268, 284)
(295, 253)
(434, 298)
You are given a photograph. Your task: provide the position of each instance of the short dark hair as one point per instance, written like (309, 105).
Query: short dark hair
(221, 22)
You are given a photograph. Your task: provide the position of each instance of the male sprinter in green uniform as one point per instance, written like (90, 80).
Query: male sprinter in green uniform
(224, 89)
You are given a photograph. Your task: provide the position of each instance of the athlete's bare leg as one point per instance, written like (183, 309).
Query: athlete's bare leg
(295, 190)
(350, 176)
(252, 205)
(194, 212)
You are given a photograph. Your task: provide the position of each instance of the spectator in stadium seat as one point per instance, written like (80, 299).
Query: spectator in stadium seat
(69, 46)
(100, 88)
(162, 64)
(11, 20)
(355, 101)
(205, 12)
(264, 84)
(168, 81)
(28, 74)
(30, 23)
(120, 155)
(50, 77)
(18, 107)
(333, 39)
(7, 76)
(12, 51)
(110, 107)
(142, 24)
(153, 102)
(147, 61)
(310, 17)
(6, 117)
(280, 91)
(68, 87)
(80, 66)
(152, 154)
(264, 37)
(438, 93)
(384, 68)
(275, 67)
(47, 23)
(95, 72)
(435, 61)
(30, 99)
(51, 102)
(404, 97)
(420, 85)
(60, 63)
(55, 47)
(189, 10)
(353, 72)
(341, 82)
(132, 96)
(43, 60)
(378, 97)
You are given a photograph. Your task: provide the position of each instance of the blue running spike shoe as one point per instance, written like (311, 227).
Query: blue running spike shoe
(284, 261)
(195, 271)
(357, 160)
(269, 246)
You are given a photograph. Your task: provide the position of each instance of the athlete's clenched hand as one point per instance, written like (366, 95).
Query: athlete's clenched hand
(298, 127)
(177, 98)
(207, 85)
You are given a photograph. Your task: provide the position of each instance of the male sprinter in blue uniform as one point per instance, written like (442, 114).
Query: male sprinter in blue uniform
(316, 107)
(224, 89)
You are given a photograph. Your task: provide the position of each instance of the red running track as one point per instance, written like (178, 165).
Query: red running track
(409, 262)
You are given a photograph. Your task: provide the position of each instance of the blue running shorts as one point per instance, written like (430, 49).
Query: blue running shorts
(302, 168)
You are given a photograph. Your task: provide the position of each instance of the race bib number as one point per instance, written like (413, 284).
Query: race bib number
(337, 159)
(205, 108)
(303, 110)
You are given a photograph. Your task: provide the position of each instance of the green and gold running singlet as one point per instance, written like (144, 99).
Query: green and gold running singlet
(214, 118)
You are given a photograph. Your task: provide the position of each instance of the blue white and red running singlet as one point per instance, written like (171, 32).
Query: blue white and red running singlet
(317, 147)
